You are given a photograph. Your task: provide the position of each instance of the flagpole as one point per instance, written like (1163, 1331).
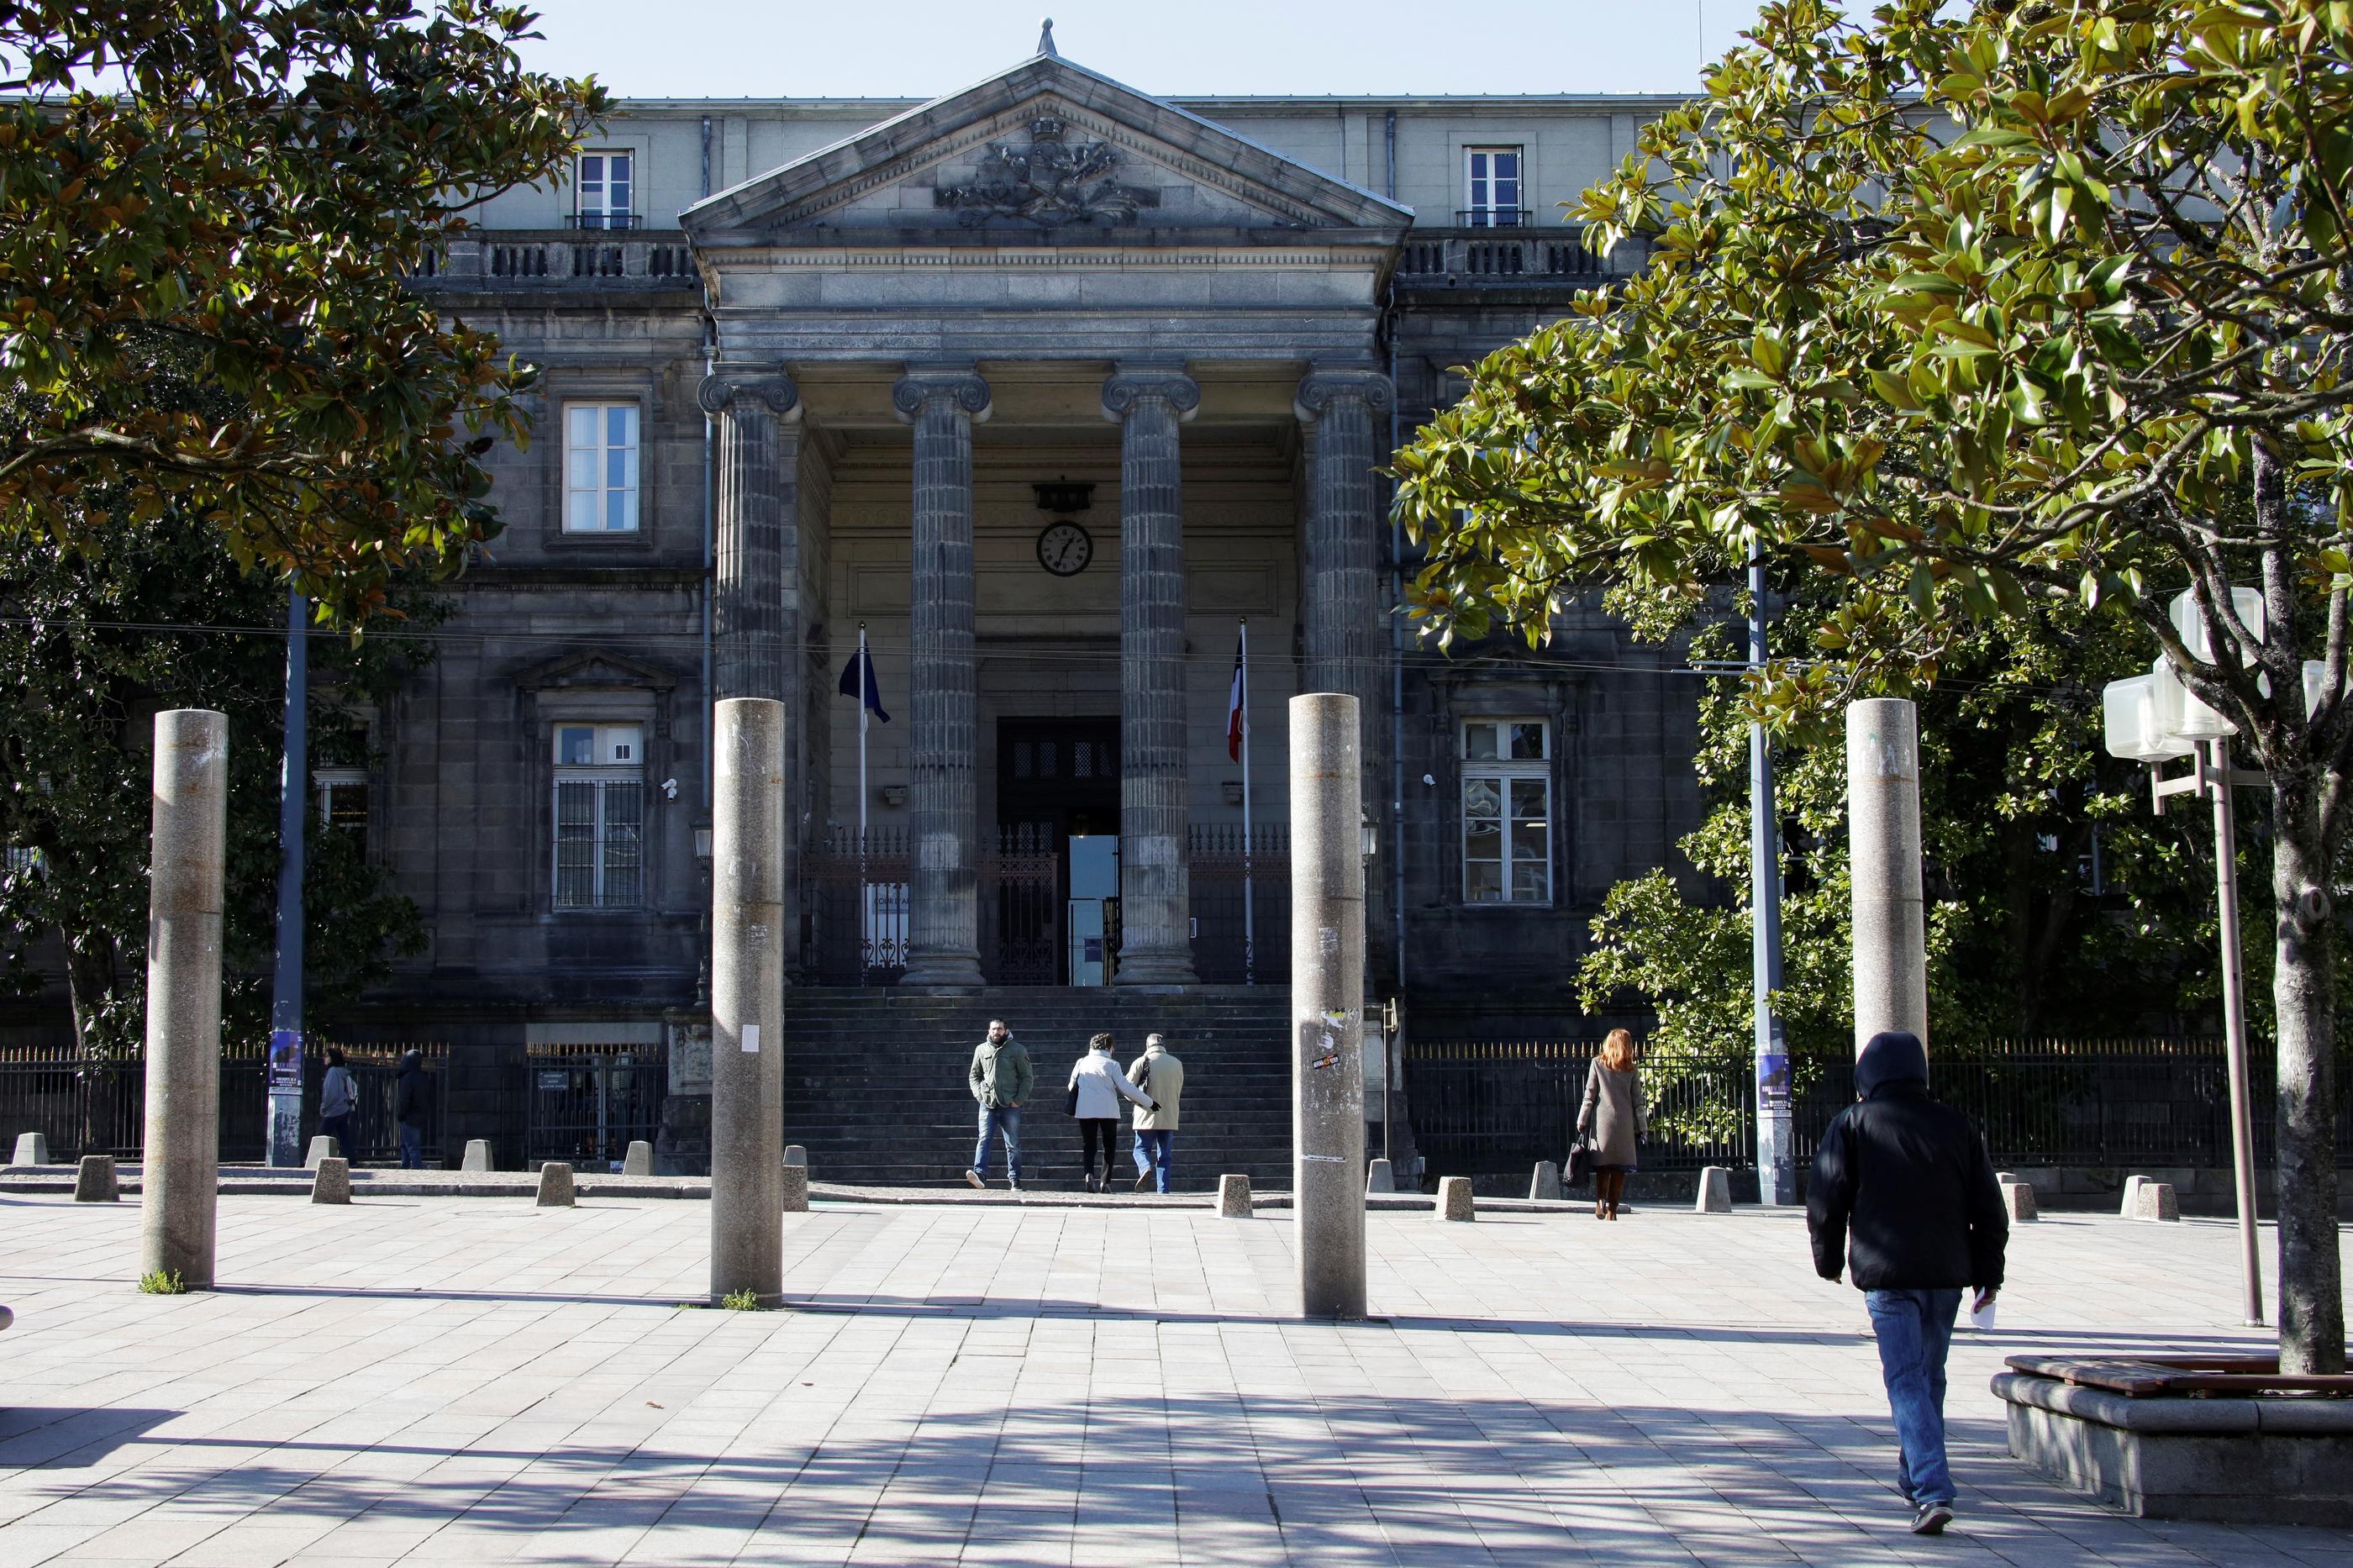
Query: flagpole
(1250, 909)
(865, 905)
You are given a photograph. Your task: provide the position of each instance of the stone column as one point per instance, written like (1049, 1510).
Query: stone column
(1155, 886)
(189, 857)
(942, 924)
(1882, 807)
(747, 1000)
(1327, 1011)
(759, 450)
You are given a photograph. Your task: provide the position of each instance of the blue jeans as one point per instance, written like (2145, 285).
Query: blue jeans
(1004, 1121)
(1914, 1328)
(412, 1147)
(1155, 1155)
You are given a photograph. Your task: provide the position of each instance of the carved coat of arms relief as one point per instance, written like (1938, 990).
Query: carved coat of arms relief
(1050, 182)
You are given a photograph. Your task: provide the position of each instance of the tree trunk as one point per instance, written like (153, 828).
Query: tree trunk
(89, 980)
(2303, 991)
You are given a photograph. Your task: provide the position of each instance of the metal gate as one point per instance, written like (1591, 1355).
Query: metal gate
(584, 1105)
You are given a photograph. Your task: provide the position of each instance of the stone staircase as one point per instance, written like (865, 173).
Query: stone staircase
(874, 1080)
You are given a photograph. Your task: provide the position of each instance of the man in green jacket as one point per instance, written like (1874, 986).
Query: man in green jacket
(1002, 1079)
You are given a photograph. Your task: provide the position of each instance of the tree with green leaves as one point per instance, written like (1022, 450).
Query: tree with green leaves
(228, 194)
(1957, 311)
(93, 644)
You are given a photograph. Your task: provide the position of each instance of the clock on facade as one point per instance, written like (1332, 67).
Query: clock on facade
(1064, 549)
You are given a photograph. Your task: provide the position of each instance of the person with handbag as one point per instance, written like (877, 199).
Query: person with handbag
(1611, 1121)
(1096, 1087)
(338, 1097)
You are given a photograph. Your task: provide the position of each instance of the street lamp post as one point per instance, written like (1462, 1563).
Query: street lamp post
(2151, 718)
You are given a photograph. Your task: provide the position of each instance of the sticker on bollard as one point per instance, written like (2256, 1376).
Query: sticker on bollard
(1233, 1198)
(555, 1185)
(1454, 1199)
(94, 1180)
(332, 1184)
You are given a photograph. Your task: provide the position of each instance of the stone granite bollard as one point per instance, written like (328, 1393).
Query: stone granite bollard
(2156, 1201)
(478, 1154)
(795, 1189)
(555, 1185)
(1454, 1198)
(749, 846)
(94, 1180)
(2017, 1201)
(1233, 1198)
(1327, 997)
(322, 1147)
(332, 1184)
(2130, 1207)
(179, 1165)
(1715, 1191)
(1543, 1187)
(796, 1156)
(640, 1159)
(2001, 1177)
(1381, 1177)
(32, 1148)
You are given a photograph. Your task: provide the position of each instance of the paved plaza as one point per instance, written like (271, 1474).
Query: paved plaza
(475, 1380)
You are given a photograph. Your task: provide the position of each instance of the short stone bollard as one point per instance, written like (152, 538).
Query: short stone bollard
(640, 1159)
(796, 1156)
(94, 1180)
(32, 1148)
(322, 1147)
(1233, 1198)
(2017, 1201)
(2156, 1201)
(1715, 1191)
(1543, 1187)
(2003, 1178)
(795, 1189)
(478, 1154)
(332, 1184)
(555, 1185)
(1380, 1177)
(1454, 1198)
(2130, 1207)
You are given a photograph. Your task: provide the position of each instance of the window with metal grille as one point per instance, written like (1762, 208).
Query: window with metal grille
(1492, 199)
(600, 804)
(600, 467)
(342, 797)
(606, 190)
(1507, 811)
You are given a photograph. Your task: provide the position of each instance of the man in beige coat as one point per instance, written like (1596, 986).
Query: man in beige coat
(1160, 1075)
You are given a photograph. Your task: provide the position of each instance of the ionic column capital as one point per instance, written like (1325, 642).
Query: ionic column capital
(776, 388)
(961, 389)
(1323, 388)
(1124, 391)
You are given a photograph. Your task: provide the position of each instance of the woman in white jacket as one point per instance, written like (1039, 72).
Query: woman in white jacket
(1096, 1087)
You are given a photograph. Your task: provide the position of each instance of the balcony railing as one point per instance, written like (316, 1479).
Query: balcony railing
(1495, 217)
(515, 256)
(1480, 256)
(603, 220)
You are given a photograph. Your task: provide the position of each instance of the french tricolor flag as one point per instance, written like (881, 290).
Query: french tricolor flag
(1238, 699)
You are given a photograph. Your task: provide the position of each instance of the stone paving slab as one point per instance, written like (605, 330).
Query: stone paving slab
(421, 1380)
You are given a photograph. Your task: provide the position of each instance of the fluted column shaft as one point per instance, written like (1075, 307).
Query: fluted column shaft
(943, 927)
(1343, 643)
(759, 460)
(1155, 898)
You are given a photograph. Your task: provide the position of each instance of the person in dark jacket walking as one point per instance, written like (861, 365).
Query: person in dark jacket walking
(408, 1090)
(338, 1097)
(1904, 1194)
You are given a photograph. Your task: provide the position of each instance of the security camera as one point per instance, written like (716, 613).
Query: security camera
(1430, 779)
(670, 789)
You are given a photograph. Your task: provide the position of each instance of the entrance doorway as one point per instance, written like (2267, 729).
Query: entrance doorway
(1058, 809)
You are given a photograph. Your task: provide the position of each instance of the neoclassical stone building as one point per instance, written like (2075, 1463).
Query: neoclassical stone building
(1044, 387)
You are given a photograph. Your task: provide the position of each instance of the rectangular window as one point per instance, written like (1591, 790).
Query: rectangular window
(600, 467)
(1493, 192)
(600, 796)
(342, 799)
(606, 190)
(1507, 811)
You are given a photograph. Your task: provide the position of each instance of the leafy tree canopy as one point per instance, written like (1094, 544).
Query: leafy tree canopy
(226, 194)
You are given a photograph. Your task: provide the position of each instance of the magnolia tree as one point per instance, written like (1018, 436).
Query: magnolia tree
(1951, 310)
(216, 202)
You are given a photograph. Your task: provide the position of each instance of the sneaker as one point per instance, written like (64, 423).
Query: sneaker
(1143, 1180)
(1932, 1519)
(973, 1178)
(1011, 1185)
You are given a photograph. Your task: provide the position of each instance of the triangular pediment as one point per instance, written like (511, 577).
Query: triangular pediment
(595, 669)
(1048, 147)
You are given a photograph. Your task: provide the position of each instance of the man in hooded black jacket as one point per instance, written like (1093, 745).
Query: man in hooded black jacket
(1904, 1193)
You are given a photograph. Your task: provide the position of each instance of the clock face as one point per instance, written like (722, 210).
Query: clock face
(1064, 549)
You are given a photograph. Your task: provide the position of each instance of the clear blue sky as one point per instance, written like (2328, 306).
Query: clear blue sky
(915, 48)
